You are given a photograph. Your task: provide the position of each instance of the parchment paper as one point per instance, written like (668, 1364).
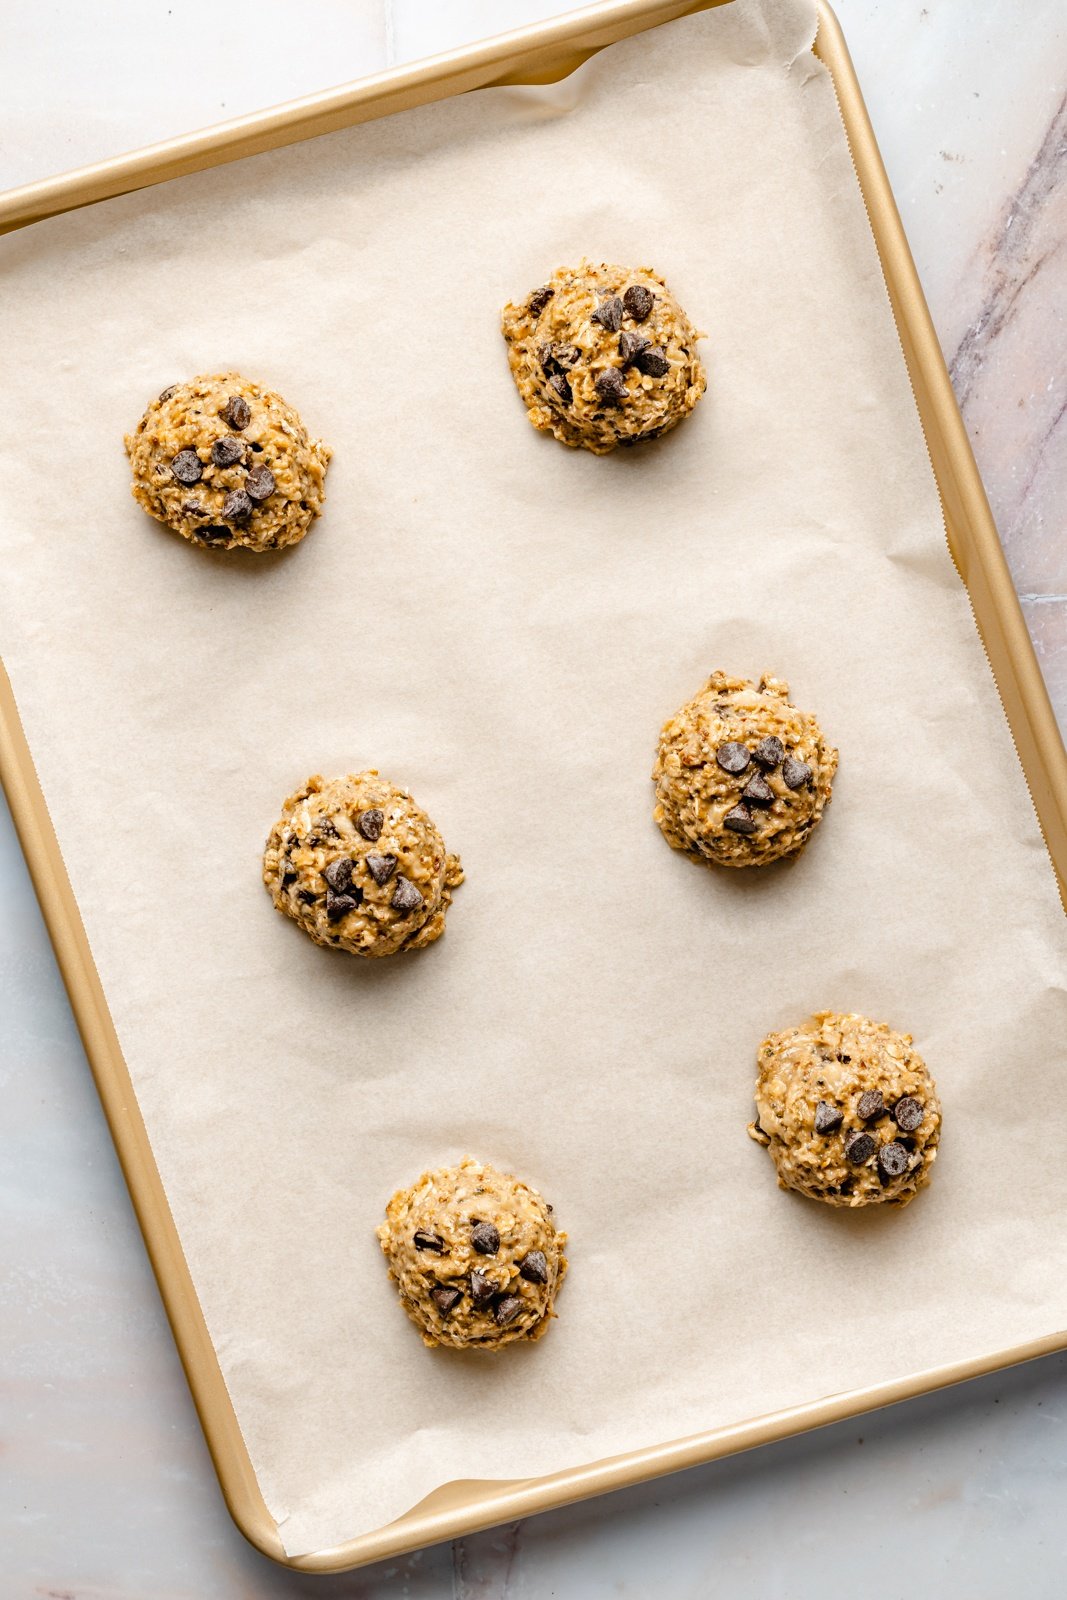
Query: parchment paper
(502, 625)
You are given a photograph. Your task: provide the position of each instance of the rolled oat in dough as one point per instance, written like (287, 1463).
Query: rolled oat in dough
(603, 356)
(475, 1255)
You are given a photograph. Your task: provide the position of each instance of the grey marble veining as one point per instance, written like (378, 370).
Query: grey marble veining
(106, 1490)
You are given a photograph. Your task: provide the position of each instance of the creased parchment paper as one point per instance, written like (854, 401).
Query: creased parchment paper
(502, 625)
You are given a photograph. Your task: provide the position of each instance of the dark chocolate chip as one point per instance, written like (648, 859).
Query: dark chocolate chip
(769, 753)
(187, 467)
(424, 1240)
(609, 313)
(326, 826)
(860, 1147)
(289, 873)
(485, 1238)
(167, 394)
(732, 757)
(445, 1299)
(338, 874)
(547, 357)
(236, 413)
(795, 773)
(539, 300)
(482, 1290)
(381, 868)
(893, 1162)
(534, 1267)
(561, 388)
(568, 355)
(227, 451)
(653, 363)
(631, 346)
(610, 387)
(339, 905)
(193, 508)
(260, 483)
(871, 1106)
(237, 507)
(827, 1117)
(908, 1114)
(638, 301)
(370, 824)
(308, 896)
(739, 820)
(406, 898)
(507, 1310)
(214, 534)
(757, 791)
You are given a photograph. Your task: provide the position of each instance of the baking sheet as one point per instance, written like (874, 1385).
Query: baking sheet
(502, 625)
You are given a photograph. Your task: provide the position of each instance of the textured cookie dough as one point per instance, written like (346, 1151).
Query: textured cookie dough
(848, 1111)
(742, 777)
(360, 866)
(603, 356)
(225, 462)
(475, 1256)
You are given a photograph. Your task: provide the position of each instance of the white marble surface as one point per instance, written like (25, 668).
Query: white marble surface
(106, 1491)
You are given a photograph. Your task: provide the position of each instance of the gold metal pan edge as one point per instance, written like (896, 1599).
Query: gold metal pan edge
(537, 54)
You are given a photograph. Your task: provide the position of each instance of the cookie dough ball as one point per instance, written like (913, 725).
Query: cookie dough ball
(742, 777)
(475, 1255)
(848, 1111)
(604, 356)
(360, 866)
(225, 462)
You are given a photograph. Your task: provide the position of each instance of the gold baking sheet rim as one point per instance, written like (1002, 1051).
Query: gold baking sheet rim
(539, 54)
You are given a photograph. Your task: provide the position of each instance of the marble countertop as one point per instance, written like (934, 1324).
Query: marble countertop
(106, 1489)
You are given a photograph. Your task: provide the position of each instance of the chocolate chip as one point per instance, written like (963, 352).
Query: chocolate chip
(213, 534)
(507, 1310)
(539, 300)
(187, 467)
(482, 1290)
(827, 1117)
(260, 483)
(739, 820)
(236, 413)
(653, 363)
(227, 451)
(860, 1147)
(338, 874)
(769, 753)
(609, 313)
(568, 355)
(908, 1114)
(406, 898)
(631, 346)
(871, 1106)
(732, 757)
(193, 508)
(547, 357)
(167, 394)
(638, 301)
(795, 773)
(893, 1162)
(370, 824)
(289, 873)
(561, 388)
(757, 791)
(610, 387)
(237, 507)
(445, 1299)
(339, 905)
(381, 868)
(534, 1267)
(425, 1240)
(485, 1238)
(307, 896)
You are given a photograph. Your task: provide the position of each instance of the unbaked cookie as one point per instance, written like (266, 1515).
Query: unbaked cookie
(742, 777)
(604, 355)
(848, 1111)
(225, 462)
(475, 1256)
(360, 866)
